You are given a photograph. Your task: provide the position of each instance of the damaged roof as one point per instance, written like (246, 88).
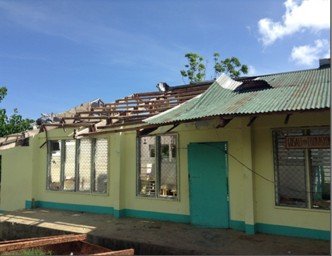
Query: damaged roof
(96, 116)
(282, 92)
(130, 110)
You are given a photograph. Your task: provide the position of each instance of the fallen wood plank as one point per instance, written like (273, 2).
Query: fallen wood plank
(120, 252)
(42, 241)
(25, 239)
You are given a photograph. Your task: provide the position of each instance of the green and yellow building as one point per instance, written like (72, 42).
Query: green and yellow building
(248, 154)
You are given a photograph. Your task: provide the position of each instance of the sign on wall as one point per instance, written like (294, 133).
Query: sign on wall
(303, 142)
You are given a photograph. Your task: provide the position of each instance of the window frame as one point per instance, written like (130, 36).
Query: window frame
(76, 171)
(158, 160)
(307, 168)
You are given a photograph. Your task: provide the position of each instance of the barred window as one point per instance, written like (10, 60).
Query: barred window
(78, 165)
(69, 165)
(100, 166)
(54, 166)
(302, 172)
(84, 164)
(157, 166)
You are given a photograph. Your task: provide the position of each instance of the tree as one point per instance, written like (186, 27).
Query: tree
(230, 66)
(196, 70)
(14, 123)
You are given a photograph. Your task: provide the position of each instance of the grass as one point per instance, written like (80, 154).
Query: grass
(28, 252)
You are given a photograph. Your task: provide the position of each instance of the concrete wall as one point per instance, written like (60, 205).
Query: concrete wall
(252, 199)
(16, 180)
(265, 209)
(40, 192)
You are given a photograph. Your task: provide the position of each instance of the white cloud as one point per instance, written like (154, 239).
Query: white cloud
(308, 55)
(300, 15)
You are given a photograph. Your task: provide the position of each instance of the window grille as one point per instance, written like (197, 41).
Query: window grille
(147, 176)
(54, 165)
(69, 165)
(320, 173)
(157, 165)
(101, 166)
(291, 174)
(84, 164)
(72, 164)
(168, 163)
(302, 175)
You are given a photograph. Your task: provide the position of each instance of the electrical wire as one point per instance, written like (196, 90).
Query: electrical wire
(253, 171)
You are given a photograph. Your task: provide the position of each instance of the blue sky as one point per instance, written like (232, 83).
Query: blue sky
(57, 54)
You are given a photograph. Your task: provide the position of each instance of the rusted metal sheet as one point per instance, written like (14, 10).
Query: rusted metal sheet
(38, 242)
(60, 245)
(304, 142)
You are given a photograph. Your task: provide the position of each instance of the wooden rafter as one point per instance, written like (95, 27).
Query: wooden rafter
(130, 111)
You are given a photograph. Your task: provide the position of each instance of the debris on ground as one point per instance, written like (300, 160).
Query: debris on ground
(57, 245)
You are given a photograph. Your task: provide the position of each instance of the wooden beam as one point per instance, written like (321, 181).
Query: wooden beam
(147, 130)
(252, 120)
(123, 129)
(120, 124)
(287, 118)
(223, 122)
(172, 128)
(59, 125)
(84, 117)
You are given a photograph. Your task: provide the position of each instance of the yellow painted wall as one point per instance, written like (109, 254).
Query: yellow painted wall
(265, 210)
(40, 193)
(28, 165)
(16, 180)
(204, 132)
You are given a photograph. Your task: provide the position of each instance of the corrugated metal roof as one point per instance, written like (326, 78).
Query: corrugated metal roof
(292, 91)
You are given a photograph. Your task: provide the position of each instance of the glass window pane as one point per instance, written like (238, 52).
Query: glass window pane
(84, 165)
(101, 166)
(147, 166)
(168, 164)
(290, 171)
(69, 165)
(54, 152)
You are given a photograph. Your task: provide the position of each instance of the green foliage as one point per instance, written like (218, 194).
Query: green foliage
(3, 93)
(14, 123)
(230, 66)
(196, 70)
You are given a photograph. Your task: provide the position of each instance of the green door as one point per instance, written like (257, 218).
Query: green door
(208, 184)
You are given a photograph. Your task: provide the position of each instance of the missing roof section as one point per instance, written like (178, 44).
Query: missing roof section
(252, 86)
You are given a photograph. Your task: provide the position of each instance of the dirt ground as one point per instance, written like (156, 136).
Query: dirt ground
(157, 237)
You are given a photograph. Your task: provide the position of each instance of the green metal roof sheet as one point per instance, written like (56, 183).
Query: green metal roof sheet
(292, 91)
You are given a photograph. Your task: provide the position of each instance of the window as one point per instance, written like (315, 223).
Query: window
(84, 164)
(157, 166)
(100, 166)
(54, 165)
(302, 167)
(78, 165)
(69, 165)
